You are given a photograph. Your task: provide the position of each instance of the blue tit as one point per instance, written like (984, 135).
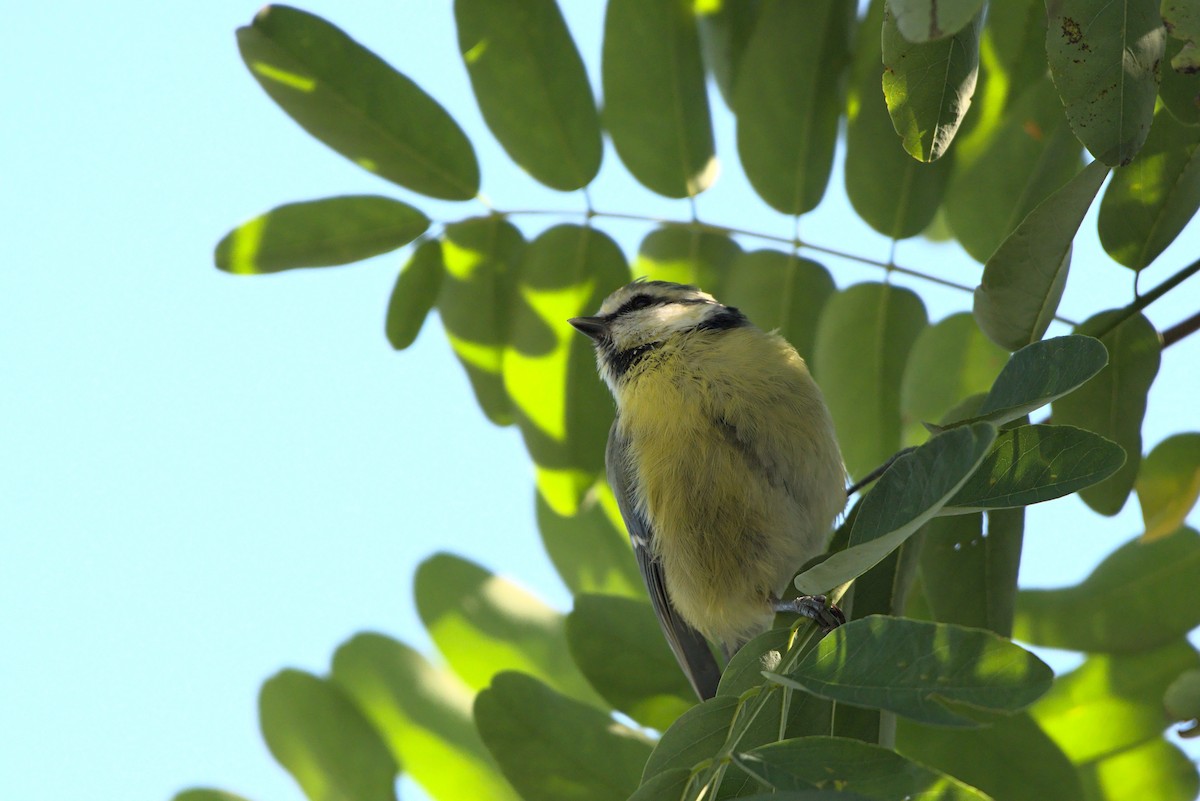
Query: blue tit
(724, 463)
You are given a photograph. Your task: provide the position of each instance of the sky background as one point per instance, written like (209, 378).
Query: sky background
(205, 478)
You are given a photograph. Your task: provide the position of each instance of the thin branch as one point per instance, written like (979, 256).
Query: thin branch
(1151, 296)
(1181, 330)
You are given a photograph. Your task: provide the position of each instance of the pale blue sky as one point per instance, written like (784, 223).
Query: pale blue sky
(205, 478)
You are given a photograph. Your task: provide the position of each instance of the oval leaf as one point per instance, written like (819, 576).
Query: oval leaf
(1105, 60)
(875, 157)
(1168, 484)
(928, 20)
(298, 712)
(551, 747)
(1182, 698)
(926, 666)
(725, 30)
(1152, 198)
(206, 794)
(928, 86)
(908, 494)
(1143, 595)
(1023, 280)
(686, 255)
(1036, 463)
(423, 713)
(532, 88)
(655, 100)
(780, 291)
(414, 294)
(350, 99)
(1114, 402)
(696, 736)
(319, 233)
(788, 100)
(878, 323)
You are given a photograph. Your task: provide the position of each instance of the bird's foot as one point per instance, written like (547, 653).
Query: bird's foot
(815, 607)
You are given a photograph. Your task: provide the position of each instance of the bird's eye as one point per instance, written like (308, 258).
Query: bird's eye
(639, 302)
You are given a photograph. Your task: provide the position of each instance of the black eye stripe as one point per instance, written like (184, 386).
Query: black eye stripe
(642, 301)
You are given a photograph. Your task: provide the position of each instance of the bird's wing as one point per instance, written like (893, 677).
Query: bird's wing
(689, 646)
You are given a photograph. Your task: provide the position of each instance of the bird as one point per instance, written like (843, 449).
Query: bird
(724, 462)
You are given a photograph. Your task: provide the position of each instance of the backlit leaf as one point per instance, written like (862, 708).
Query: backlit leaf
(414, 294)
(1168, 484)
(590, 549)
(686, 255)
(780, 291)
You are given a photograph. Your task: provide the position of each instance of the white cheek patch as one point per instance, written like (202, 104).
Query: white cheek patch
(678, 316)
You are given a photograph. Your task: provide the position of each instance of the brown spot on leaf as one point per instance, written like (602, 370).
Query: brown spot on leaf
(1071, 30)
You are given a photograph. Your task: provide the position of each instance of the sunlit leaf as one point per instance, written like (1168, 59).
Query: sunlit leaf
(590, 549)
(1143, 595)
(414, 294)
(350, 99)
(969, 572)
(1105, 60)
(780, 291)
(319, 233)
(686, 255)
(1168, 484)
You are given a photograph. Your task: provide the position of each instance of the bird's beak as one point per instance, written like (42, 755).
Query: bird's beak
(594, 327)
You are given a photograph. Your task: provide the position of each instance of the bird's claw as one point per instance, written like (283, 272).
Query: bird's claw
(816, 608)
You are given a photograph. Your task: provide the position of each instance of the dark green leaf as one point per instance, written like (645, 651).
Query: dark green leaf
(484, 624)
(617, 644)
(725, 28)
(1114, 402)
(875, 157)
(1023, 280)
(780, 291)
(532, 88)
(1015, 39)
(350, 99)
(553, 748)
(655, 100)
(423, 713)
(1182, 21)
(563, 409)
(925, 666)
(315, 731)
(415, 292)
(1105, 60)
(857, 767)
(878, 323)
(928, 86)
(475, 303)
(969, 575)
(1152, 198)
(319, 233)
(1168, 484)
(744, 671)
(666, 786)
(1035, 463)
(788, 100)
(1182, 698)
(686, 255)
(1180, 91)
(206, 794)
(911, 492)
(927, 20)
(1029, 154)
(1011, 758)
(696, 736)
(1145, 594)
(949, 361)
(590, 549)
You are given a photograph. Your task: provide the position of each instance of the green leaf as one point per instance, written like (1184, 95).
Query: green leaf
(475, 303)
(1182, 21)
(854, 766)
(618, 646)
(666, 786)
(350, 99)
(1155, 769)
(1104, 59)
(1036, 463)
(1029, 154)
(744, 671)
(423, 713)
(875, 157)
(590, 549)
(908, 494)
(1114, 402)
(1143, 595)
(1023, 280)
(1152, 199)
(1180, 90)
(552, 748)
(1181, 699)
(969, 575)
(878, 323)
(655, 100)
(929, 20)
(1168, 484)
(1015, 43)
(686, 255)
(206, 794)
(316, 733)
(788, 100)
(725, 28)
(1011, 758)
(928, 86)
(949, 361)
(780, 291)
(532, 88)
(415, 293)
(1113, 702)
(696, 736)
(562, 407)
(926, 665)
(484, 624)
(319, 233)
